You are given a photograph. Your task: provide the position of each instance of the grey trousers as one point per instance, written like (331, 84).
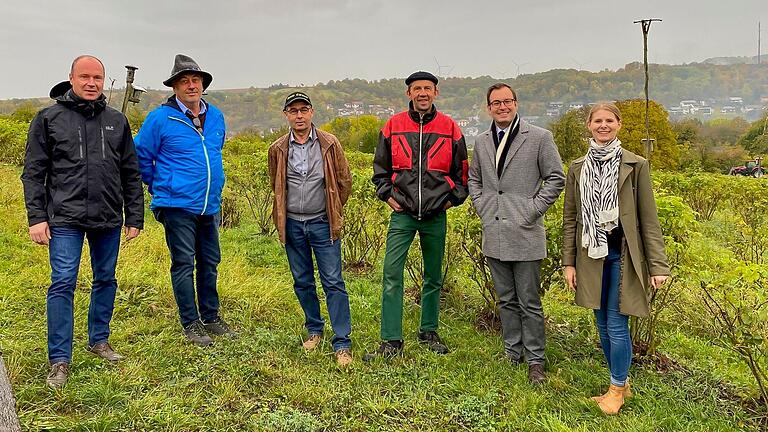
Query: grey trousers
(522, 317)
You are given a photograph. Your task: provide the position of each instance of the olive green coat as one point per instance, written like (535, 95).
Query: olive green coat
(642, 250)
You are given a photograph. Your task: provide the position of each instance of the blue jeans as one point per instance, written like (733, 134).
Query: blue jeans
(301, 239)
(612, 326)
(65, 249)
(193, 241)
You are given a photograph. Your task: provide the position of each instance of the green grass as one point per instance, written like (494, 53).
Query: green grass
(264, 381)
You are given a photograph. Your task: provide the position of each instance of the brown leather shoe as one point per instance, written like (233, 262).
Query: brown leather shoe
(627, 393)
(536, 374)
(312, 342)
(344, 357)
(613, 400)
(57, 377)
(105, 351)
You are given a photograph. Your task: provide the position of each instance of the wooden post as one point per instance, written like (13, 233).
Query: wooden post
(8, 420)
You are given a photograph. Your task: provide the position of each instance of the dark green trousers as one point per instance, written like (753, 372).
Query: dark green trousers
(402, 230)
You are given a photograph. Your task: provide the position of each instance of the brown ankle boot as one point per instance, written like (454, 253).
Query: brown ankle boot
(627, 393)
(613, 400)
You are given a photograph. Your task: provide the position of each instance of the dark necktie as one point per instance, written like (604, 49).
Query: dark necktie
(501, 136)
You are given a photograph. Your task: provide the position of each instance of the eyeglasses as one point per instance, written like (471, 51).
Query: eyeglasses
(506, 102)
(294, 111)
(198, 124)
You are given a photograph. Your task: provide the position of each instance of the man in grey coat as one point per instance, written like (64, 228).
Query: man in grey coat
(516, 174)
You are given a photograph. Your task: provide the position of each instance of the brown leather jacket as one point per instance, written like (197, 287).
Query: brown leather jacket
(338, 182)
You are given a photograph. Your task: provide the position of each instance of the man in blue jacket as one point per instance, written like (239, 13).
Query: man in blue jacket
(179, 149)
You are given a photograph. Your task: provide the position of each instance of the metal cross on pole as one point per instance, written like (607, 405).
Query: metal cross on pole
(646, 26)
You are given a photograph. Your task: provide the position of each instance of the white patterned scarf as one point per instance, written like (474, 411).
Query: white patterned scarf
(599, 185)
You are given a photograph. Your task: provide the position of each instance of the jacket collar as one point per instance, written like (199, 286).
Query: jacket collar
(514, 146)
(325, 143)
(416, 116)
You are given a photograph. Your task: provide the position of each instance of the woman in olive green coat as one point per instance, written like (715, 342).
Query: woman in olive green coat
(613, 249)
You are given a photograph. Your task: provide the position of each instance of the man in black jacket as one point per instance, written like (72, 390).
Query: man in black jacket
(80, 176)
(420, 170)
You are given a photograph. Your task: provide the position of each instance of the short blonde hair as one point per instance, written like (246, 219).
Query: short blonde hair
(607, 106)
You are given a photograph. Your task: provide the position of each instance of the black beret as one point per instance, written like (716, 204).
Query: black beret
(420, 75)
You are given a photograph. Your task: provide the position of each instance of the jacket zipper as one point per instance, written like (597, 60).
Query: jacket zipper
(80, 137)
(421, 129)
(207, 161)
(102, 144)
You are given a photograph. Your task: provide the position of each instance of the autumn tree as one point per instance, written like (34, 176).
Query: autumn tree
(666, 152)
(755, 139)
(571, 134)
(356, 133)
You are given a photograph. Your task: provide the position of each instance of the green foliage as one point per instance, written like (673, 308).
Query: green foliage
(571, 135)
(365, 217)
(356, 133)
(248, 178)
(755, 139)
(749, 203)
(737, 302)
(666, 152)
(13, 138)
(704, 193)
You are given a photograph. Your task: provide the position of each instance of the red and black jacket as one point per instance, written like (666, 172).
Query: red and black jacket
(421, 161)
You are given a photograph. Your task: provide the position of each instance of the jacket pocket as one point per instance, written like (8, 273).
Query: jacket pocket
(440, 155)
(401, 155)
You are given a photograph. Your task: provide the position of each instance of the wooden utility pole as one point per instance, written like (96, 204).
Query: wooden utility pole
(646, 27)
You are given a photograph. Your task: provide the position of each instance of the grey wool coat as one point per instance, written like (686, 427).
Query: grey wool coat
(511, 206)
(643, 251)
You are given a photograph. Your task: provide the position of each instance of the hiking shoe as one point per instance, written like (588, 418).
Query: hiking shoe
(219, 327)
(344, 357)
(387, 349)
(433, 342)
(536, 374)
(58, 375)
(196, 334)
(312, 342)
(105, 351)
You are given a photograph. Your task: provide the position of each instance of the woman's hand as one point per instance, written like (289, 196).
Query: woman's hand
(570, 277)
(658, 281)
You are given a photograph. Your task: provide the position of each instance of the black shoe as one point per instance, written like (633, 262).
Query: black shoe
(536, 374)
(387, 349)
(432, 340)
(196, 334)
(219, 327)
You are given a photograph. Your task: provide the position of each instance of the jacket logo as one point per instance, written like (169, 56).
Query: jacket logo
(109, 128)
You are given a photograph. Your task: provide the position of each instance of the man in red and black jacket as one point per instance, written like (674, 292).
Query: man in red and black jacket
(420, 170)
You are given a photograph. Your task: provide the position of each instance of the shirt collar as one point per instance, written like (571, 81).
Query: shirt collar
(312, 136)
(186, 110)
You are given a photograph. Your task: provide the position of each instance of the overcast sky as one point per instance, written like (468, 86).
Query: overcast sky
(257, 43)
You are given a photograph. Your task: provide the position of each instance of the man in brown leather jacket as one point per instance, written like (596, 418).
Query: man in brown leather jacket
(311, 183)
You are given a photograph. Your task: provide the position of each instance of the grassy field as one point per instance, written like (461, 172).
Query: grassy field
(264, 381)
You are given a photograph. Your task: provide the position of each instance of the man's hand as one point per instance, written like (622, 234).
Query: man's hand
(570, 277)
(131, 233)
(395, 205)
(447, 205)
(40, 233)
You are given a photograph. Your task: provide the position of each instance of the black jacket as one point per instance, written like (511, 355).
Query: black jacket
(421, 162)
(80, 168)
